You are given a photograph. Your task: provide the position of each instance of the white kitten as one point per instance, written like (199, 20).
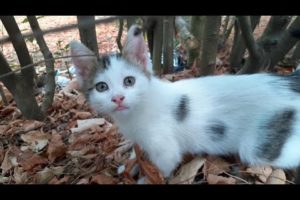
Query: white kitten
(254, 116)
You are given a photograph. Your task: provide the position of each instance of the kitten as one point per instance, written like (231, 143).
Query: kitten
(255, 116)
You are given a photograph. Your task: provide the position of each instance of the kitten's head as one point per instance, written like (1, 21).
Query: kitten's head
(114, 84)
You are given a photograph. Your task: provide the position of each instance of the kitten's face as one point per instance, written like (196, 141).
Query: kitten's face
(114, 85)
(119, 88)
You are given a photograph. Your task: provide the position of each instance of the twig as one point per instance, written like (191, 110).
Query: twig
(37, 63)
(120, 34)
(3, 96)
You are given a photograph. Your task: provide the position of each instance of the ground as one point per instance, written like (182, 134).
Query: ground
(74, 145)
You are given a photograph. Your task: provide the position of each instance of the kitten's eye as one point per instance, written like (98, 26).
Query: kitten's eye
(101, 87)
(129, 81)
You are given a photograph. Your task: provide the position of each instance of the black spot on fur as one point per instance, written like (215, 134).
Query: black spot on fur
(182, 108)
(105, 60)
(277, 130)
(295, 33)
(294, 81)
(217, 129)
(137, 31)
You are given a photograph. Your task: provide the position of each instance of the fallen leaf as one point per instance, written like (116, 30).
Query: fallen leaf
(262, 172)
(30, 125)
(36, 140)
(214, 179)
(47, 174)
(215, 165)
(10, 159)
(20, 175)
(28, 160)
(56, 147)
(102, 179)
(2, 153)
(60, 181)
(277, 177)
(86, 124)
(82, 115)
(188, 171)
(16, 114)
(3, 129)
(7, 110)
(83, 181)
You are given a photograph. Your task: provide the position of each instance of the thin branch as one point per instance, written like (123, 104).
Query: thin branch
(63, 28)
(36, 63)
(245, 26)
(3, 96)
(187, 37)
(50, 80)
(121, 26)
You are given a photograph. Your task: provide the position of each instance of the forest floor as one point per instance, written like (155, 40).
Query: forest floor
(74, 145)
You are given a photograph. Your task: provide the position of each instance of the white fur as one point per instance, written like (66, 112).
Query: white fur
(239, 101)
(242, 102)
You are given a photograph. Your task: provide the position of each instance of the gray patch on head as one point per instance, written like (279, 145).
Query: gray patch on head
(277, 130)
(216, 129)
(294, 81)
(182, 108)
(105, 61)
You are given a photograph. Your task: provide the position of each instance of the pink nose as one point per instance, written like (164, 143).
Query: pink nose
(118, 99)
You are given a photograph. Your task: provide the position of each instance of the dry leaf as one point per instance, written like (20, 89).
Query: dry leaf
(214, 179)
(102, 179)
(82, 115)
(277, 177)
(47, 174)
(215, 165)
(262, 172)
(188, 171)
(29, 160)
(60, 181)
(56, 147)
(2, 153)
(36, 140)
(83, 181)
(86, 124)
(3, 129)
(30, 125)
(20, 176)
(10, 158)
(7, 110)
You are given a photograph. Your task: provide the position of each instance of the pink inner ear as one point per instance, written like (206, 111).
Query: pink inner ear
(140, 51)
(81, 65)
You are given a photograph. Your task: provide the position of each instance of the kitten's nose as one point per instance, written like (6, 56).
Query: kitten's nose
(118, 99)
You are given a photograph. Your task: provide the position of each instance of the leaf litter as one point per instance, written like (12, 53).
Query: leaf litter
(76, 146)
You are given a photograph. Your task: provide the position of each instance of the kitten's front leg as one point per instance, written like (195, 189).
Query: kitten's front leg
(166, 157)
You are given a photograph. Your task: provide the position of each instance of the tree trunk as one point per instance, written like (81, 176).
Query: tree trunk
(226, 32)
(210, 44)
(273, 32)
(87, 32)
(21, 86)
(50, 78)
(285, 44)
(255, 61)
(239, 48)
(157, 46)
(197, 27)
(168, 33)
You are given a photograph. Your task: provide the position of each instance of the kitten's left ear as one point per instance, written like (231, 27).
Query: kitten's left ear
(135, 49)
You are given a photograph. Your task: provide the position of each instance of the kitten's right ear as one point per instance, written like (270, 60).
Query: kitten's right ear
(85, 65)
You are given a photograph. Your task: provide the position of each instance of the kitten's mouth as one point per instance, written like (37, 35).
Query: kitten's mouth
(120, 107)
